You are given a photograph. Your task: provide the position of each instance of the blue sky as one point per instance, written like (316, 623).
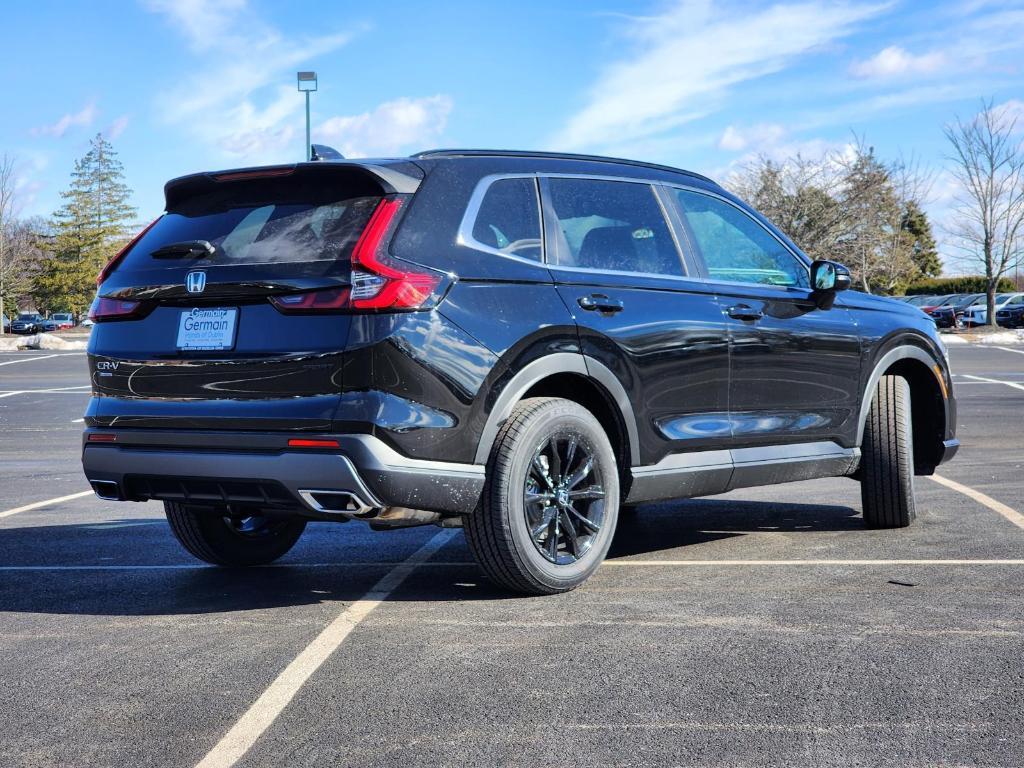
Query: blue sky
(186, 85)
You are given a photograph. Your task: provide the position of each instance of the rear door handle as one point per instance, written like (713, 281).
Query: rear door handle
(744, 312)
(599, 303)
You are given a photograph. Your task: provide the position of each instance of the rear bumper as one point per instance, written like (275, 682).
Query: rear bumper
(159, 464)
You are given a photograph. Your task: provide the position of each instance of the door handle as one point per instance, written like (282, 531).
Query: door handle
(744, 312)
(599, 303)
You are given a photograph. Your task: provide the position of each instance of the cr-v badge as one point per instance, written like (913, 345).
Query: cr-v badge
(195, 282)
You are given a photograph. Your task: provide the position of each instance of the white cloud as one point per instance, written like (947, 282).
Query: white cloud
(686, 59)
(391, 127)
(83, 118)
(116, 128)
(230, 103)
(895, 62)
(205, 23)
(1012, 111)
(735, 139)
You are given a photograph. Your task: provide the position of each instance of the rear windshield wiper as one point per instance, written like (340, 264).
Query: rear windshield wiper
(195, 249)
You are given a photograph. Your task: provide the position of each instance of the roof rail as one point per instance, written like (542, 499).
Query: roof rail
(552, 155)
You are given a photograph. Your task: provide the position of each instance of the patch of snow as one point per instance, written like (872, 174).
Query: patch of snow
(39, 341)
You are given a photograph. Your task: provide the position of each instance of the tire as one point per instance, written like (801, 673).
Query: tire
(499, 531)
(887, 459)
(220, 541)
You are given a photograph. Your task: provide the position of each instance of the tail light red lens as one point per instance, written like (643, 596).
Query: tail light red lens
(302, 443)
(378, 282)
(105, 272)
(113, 309)
(332, 299)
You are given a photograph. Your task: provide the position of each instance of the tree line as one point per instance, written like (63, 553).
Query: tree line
(868, 213)
(52, 263)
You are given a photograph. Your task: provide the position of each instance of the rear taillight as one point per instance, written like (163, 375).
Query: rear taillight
(331, 300)
(113, 309)
(105, 272)
(378, 282)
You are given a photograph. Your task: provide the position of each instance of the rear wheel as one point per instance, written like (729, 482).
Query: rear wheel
(887, 461)
(550, 505)
(232, 541)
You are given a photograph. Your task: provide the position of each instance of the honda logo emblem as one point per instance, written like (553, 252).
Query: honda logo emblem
(195, 282)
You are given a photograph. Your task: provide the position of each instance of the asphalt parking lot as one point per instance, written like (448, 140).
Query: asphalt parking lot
(766, 627)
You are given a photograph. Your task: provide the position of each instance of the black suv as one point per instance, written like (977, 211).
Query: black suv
(518, 343)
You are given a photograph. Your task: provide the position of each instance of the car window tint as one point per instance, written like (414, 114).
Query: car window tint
(736, 247)
(612, 225)
(509, 218)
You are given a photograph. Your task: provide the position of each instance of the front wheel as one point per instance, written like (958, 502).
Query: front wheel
(887, 461)
(232, 541)
(550, 505)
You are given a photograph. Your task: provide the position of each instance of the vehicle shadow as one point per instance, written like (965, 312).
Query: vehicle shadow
(675, 524)
(157, 579)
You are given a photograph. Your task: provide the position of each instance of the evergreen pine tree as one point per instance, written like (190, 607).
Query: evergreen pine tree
(918, 231)
(89, 228)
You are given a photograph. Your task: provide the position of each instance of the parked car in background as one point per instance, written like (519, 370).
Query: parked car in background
(1011, 314)
(49, 325)
(7, 324)
(921, 300)
(27, 323)
(978, 313)
(948, 315)
(64, 320)
(410, 341)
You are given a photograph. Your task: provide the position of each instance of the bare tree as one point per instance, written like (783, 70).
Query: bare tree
(8, 210)
(989, 165)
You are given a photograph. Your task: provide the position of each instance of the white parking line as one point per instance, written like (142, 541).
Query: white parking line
(470, 564)
(261, 715)
(1009, 513)
(28, 359)
(1015, 351)
(987, 380)
(46, 503)
(646, 563)
(82, 390)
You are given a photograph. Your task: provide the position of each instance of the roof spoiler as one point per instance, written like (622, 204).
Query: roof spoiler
(394, 177)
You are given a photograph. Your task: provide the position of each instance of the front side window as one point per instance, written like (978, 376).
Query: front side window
(509, 218)
(612, 225)
(736, 247)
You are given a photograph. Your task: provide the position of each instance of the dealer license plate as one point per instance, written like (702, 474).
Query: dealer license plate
(207, 328)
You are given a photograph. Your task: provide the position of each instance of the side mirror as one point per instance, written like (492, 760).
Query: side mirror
(829, 277)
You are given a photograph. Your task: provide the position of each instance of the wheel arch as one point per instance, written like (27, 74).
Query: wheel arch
(928, 398)
(574, 377)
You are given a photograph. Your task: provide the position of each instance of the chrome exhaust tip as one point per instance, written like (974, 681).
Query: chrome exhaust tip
(107, 490)
(336, 502)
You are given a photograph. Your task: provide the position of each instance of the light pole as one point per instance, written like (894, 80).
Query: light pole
(307, 84)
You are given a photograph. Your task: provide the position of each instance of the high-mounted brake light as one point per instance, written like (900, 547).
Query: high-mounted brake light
(105, 272)
(379, 283)
(112, 309)
(261, 173)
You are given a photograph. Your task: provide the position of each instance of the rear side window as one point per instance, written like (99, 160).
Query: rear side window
(509, 218)
(737, 248)
(612, 225)
(290, 227)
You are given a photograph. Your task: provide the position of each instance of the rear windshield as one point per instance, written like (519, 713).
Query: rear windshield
(294, 226)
